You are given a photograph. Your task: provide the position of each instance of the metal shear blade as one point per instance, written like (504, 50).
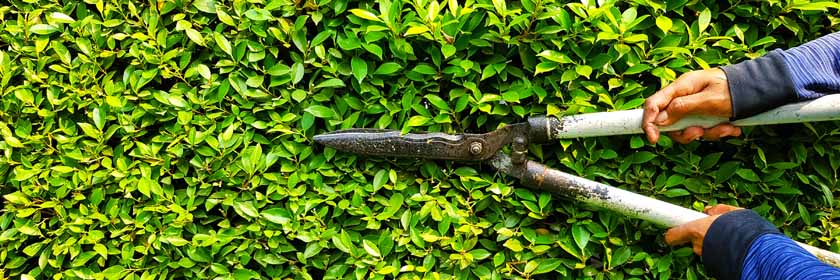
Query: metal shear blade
(431, 145)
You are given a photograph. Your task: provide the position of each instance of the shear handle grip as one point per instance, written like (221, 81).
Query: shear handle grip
(538, 176)
(548, 128)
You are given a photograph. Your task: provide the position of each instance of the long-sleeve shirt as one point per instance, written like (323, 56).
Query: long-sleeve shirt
(776, 257)
(741, 244)
(805, 72)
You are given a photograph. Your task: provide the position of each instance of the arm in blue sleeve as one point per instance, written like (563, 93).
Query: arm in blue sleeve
(805, 72)
(774, 256)
(815, 67)
(743, 245)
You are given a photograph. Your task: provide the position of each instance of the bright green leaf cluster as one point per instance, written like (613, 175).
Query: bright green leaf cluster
(173, 139)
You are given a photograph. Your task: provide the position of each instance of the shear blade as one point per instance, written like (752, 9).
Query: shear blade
(391, 143)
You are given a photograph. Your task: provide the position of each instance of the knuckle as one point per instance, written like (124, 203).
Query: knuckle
(685, 139)
(677, 105)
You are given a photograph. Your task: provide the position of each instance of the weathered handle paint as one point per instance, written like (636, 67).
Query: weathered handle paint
(630, 121)
(539, 176)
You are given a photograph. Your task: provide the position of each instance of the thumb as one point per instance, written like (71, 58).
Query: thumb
(720, 209)
(700, 103)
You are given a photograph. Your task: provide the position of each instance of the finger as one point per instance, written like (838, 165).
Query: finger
(705, 103)
(698, 247)
(686, 84)
(720, 131)
(720, 209)
(687, 135)
(679, 235)
(652, 107)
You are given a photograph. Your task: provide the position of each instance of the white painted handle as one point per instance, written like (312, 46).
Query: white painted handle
(630, 121)
(633, 205)
(660, 212)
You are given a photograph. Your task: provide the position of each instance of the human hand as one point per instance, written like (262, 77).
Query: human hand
(695, 231)
(704, 92)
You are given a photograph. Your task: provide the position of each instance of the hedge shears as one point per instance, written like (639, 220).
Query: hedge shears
(487, 147)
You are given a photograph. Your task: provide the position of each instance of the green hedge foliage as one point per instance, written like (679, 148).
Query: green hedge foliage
(173, 139)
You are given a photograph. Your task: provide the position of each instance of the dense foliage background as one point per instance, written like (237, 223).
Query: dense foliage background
(174, 138)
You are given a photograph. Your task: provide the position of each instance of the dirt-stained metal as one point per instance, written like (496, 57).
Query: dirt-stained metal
(538, 176)
(434, 145)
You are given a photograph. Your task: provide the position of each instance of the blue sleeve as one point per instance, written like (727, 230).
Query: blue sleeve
(815, 67)
(774, 256)
(742, 245)
(780, 77)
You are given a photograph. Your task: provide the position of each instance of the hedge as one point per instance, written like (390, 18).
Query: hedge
(173, 139)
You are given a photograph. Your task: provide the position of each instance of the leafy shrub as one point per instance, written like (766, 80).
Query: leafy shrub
(175, 137)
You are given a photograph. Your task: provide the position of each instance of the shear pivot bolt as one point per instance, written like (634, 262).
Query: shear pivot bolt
(476, 147)
(519, 150)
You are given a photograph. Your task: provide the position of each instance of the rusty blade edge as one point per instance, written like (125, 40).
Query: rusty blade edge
(392, 143)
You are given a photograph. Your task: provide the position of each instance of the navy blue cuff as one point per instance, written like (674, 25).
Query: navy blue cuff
(728, 240)
(759, 85)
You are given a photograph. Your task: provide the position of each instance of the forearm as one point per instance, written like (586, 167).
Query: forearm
(743, 245)
(780, 77)
(815, 67)
(777, 257)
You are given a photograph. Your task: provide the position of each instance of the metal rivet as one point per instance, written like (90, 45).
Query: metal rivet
(476, 147)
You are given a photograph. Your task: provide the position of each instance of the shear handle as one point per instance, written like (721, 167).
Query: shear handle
(544, 128)
(541, 177)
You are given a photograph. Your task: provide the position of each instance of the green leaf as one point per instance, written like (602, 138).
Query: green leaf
(498, 259)
(101, 250)
(641, 157)
(360, 68)
(704, 19)
(259, 14)
(82, 258)
(331, 83)
(437, 101)
(320, 111)
(418, 121)
(514, 245)
(546, 266)
(195, 36)
(636, 142)
(297, 72)
(177, 101)
(343, 243)
(371, 248)
(748, 174)
(365, 15)
(676, 192)
(448, 50)
(583, 70)
(664, 23)
(387, 68)
(60, 17)
(199, 254)
(479, 254)
(246, 208)
(530, 266)
(581, 236)
(415, 30)
(207, 6)
(555, 56)
(223, 43)
(90, 130)
(425, 69)
(380, 179)
(545, 66)
(114, 272)
(43, 29)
